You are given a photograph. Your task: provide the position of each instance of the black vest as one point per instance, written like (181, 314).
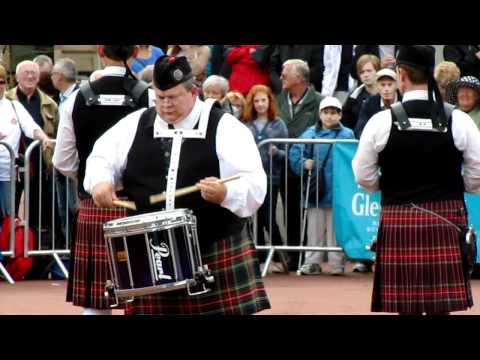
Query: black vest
(147, 167)
(420, 166)
(90, 122)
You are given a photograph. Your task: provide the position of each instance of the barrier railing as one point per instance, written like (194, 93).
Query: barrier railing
(11, 251)
(301, 248)
(53, 250)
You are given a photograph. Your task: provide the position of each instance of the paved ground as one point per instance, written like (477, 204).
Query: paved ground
(289, 295)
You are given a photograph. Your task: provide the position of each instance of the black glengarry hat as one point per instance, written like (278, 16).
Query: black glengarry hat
(170, 71)
(421, 57)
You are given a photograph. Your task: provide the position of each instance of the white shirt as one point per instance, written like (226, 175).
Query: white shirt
(235, 146)
(65, 95)
(332, 58)
(65, 157)
(466, 138)
(10, 122)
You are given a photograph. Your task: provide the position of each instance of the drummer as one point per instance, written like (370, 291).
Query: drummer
(180, 142)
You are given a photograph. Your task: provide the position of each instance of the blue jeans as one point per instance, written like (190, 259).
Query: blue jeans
(4, 198)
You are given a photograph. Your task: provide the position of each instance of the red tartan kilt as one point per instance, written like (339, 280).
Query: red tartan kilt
(238, 287)
(89, 264)
(418, 262)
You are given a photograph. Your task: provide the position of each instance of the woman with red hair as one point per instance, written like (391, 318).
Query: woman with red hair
(260, 115)
(247, 70)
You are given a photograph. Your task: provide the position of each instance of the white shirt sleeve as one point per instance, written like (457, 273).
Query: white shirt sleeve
(26, 121)
(238, 154)
(373, 140)
(151, 97)
(108, 159)
(332, 57)
(65, 156)
(466, 137)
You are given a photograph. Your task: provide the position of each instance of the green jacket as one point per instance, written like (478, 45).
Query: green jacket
(49, 111)
(475, 115)
(306, 114)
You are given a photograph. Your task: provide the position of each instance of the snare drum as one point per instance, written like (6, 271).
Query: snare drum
(154, 253)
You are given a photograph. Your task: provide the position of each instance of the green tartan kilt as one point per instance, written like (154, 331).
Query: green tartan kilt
(238, 288)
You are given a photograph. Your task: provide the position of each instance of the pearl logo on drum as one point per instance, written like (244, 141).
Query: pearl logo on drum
(158, 252)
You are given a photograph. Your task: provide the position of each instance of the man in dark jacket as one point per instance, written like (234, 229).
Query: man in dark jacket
(298, 105)
(467, 58)
(311, 54)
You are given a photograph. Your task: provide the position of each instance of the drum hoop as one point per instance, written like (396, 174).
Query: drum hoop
(123, 293)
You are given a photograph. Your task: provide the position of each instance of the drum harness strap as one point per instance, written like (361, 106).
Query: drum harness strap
(178, 135)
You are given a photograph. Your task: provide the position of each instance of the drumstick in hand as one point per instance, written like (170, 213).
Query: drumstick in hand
(186, 190)
(126, 204)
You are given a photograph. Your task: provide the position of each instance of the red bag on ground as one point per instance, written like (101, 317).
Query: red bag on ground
(18, 265)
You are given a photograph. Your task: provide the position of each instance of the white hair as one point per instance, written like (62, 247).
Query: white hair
(67, 67)
(216, 80)
(26, 62)
(300, 68)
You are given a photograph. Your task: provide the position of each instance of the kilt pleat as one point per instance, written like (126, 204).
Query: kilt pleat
(238, 287)
(89, 269)
(418, 261)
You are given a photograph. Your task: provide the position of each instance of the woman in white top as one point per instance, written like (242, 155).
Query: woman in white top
(14, 119)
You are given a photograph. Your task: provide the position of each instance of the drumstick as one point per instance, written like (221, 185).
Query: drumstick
(186, 190)
(126, 204)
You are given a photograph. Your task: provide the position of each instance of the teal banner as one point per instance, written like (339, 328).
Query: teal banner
(356, 213)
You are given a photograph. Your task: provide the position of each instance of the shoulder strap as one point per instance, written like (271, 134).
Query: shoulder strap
(401, 115)
(88, 94)
(136, 88)
(16, 114)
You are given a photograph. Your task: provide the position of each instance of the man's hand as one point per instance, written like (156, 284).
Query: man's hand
(212, 190)
(308, 164)
(103, 195)
(2, 136)
(477, 54)
(388, 60)
(47, 144)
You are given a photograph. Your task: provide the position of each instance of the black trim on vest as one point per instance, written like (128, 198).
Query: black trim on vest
(91, 122)
(150, 157)
(420, 166)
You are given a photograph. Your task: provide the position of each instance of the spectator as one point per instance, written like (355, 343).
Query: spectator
(337, 81)
(197, 56)
(64, 77)
(311, 54)
(44, 112)
(45, 84)
(19, 120)
(318, 159)
(147, 55)
(216, 87)
(298, 105)
(387, 95)
(467, 58)
(238, 102)
(261, 117)
(386, 54)
(466, 95)
(246, 70)
(446, 72)
(367, 67)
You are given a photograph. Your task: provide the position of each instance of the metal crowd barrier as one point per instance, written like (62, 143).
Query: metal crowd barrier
(11, 251)
(40, 250)
(302, 248)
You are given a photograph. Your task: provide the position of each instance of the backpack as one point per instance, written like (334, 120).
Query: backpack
(17, 266)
